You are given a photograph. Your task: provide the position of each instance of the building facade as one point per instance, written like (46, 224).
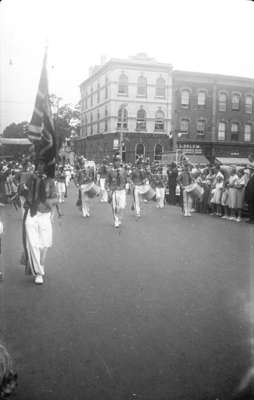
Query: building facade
(126, 104)
(213, 115)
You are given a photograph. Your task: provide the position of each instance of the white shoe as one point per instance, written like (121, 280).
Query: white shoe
(38, 280)
(117, 224)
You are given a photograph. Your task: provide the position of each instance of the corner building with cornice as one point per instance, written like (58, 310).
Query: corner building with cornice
(128, 101)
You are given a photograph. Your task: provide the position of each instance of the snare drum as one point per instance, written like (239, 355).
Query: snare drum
(150, 194)
(195, 190)
(92, 190)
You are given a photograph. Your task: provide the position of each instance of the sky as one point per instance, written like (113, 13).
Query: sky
(213, 36)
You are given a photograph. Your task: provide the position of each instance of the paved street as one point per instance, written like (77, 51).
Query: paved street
(156, 310)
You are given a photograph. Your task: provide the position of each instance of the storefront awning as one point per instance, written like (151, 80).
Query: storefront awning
(233, 160)
(15, 141)
(197, 159)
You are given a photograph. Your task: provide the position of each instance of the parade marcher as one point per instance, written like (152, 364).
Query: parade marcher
(158, 182)
(41, 197)
(140, 180)
(116, 183)
(172, 174)
(102, 181)
(84, 180)
(60, 184)
(219, 184)
(185, 179)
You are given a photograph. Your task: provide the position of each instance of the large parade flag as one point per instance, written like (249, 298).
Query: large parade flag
(41, 128)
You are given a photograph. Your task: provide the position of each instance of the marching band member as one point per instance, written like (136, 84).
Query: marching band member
(116, 182)
(159, 184)
(184, 180)
(60, 179)
(141, 184)
(41, 197)
(84, 178)
(102, 181)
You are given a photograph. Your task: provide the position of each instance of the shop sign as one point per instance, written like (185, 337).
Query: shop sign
(189, 148)
(116, 144)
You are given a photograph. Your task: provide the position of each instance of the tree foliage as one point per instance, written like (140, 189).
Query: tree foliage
(66, 118)
(16, 131)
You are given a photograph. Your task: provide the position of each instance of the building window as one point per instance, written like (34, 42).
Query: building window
(185, 98)
(98, 122)
(159, 121)
(222, 131)
(248, 104)
(234, 131)
(85, 127)
(235, 102)
(91, 124)
(91, 97)
(106, 88)
(184, 126)
(98, 93)
(123, 84)
(142, 86)
(122, 118)
(141, 120)
(222, 102)
(157, 152)
(247, 132)
(160, 89)
(140, 150)
(201, 98)
(106, 120)
(201, 127)
(86, 101)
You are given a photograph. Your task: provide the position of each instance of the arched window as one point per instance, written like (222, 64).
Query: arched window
(123, 152)
(159, 121)
(122, 118)
(140, 150)
(235, 131)
(91, 124)
(235, 102)
(106, 120)
(98, 122)
(98, 92)
(160, 87)
(201, 127)
(222, 131)
(184, 126)
(222, 102)
(247, 132)
(123, 84)
(157, 152)
(106, 88)
(142, 86)
(91, 98)
(248, 104)
(141, 120)
(201, 98)
(185, 98)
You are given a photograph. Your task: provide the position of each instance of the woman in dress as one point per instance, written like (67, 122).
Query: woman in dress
(240, 192)
(233, 179)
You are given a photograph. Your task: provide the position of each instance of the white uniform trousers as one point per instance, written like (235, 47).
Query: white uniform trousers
(38, 236)
(160, 197)
(118, 205)
(104, 197)
(139, 190)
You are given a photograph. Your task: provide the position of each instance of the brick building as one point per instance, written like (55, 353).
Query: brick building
(126, 103)
(213, 116)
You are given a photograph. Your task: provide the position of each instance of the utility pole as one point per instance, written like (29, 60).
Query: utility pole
(121, 131)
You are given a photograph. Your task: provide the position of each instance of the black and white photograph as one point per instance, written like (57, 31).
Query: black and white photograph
(127, 200)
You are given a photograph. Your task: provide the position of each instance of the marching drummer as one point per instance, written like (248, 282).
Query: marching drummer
(140, 180)
(158, 182)
(84, 180)
(184, 179)
(116, 183)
